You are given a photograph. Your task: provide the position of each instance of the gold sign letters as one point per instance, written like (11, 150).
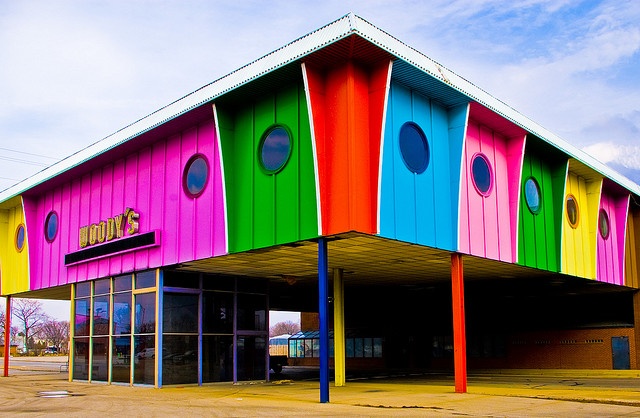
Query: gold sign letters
(112, 228)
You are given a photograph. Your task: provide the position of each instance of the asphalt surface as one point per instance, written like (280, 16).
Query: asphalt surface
(36, 389)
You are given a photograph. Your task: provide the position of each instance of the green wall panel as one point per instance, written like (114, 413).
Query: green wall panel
(539, 235)
(268, 209)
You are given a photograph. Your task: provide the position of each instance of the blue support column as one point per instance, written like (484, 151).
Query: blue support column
(323, 309)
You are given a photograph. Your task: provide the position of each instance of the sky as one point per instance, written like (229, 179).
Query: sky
(73, 72)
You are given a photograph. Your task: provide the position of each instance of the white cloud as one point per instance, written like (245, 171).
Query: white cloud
(608, 152)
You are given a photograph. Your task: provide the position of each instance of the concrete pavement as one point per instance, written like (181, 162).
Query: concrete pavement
(508, 394)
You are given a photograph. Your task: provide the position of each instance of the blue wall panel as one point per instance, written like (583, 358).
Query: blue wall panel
(421, 208)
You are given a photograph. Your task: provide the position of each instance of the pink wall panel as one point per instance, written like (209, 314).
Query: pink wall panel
(148, 181)
(610, 251)
(488, 224)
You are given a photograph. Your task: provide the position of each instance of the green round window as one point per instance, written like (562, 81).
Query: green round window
(532, 195)
(275, 149)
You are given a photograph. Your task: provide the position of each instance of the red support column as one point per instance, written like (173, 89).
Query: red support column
(7, 337)
(459, 335)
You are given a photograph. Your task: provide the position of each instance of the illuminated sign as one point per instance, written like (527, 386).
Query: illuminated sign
(110, 229)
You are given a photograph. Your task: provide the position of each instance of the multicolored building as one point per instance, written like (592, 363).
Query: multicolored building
(452, 231)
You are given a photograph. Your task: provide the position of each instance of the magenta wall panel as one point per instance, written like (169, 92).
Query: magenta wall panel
(488, 221)
(150, 182)
(610, 249)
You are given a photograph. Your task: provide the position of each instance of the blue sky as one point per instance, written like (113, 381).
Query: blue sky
(73, 72)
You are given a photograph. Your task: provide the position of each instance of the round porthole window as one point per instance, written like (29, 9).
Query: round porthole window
(603, 224)
(20, 238)
(275, 149)
(481, 174)
(51, 226)
(195, 176)
(573, 212)
(414, 147)
(532, 195)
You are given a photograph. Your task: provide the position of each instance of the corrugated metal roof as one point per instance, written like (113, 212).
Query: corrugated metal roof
(327, 35)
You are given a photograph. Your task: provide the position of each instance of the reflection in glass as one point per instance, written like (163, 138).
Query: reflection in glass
(532, 195)
(217, 358)
(414, 147)
(101, 315)
(144, 366)
(145, 313)
(83, 315)
(146, 279)
(481, 174)
(276, 148)
(368, 347)
(377, 347)
(573, 214)
(51, 226)
(81, 358)
(20, 237)
(121, 359)
(179, 359)
(251, 358)
(350, 349)
(122, 313)
(252, 312)
(100, 365)
(217, 312)
(102, 287)
(122, 283)
(180, 313)
(603, 224)
(83, 289)
(359, 347)
(196, 174)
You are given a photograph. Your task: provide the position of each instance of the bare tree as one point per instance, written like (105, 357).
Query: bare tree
(286, 327)
(30, 317)
(55, 333)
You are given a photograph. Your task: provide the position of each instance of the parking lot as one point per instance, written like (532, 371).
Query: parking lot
(34, 389)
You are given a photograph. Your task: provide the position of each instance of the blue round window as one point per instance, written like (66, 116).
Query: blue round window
(573, 213)
(275, 149)
(532, 195)
(51, 226)
(414, 147)
(20, 237)
(196, 175)
(481, 174)
(603, 224)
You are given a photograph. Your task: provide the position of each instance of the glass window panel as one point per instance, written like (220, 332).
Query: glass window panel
(252, 312)
(331, 345)
(275, 149)
(368, 347)
(377, 347)
(81, 358)
(51, 226)
(83, 289)
(532, 195)
(83, 316)
(481, 174)
(212, 282)
(293, 348)
(414, 147)
(181, 279)
(308, 348)
(195, 176)
(20, 237)
(102, 287)
(144, 367)
(100, 366)
(179, 359)
(145, 314)
(146, 279)
(217, 358)
(122, 313)
(121, 359)
(315, 347)
(251, 358)
(573, 213)
(180, 313)
(349, 347)
(603, 224)
(358, 347)
(122, 283)
(101, 315)
(218, 312)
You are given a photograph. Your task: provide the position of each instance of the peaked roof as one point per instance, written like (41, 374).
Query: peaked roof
(342, 28)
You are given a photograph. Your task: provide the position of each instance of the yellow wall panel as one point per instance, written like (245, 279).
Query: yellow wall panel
(579, 243)
(14, 264)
